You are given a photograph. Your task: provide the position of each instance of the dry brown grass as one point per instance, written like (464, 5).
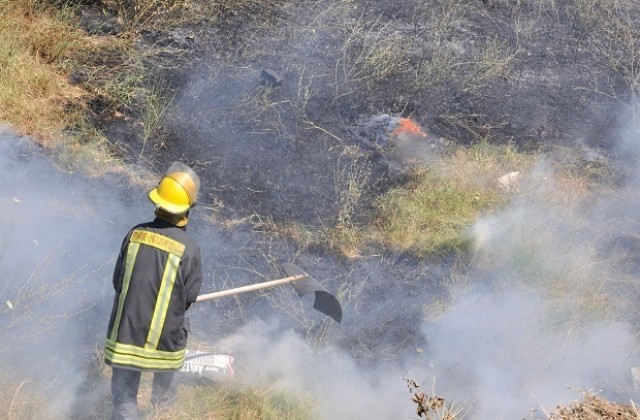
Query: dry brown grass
(20, 399)
(138, 14)
(431, 406)
(35, 96)
(593, 407)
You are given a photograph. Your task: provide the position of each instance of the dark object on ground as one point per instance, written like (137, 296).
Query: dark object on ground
(270, 78)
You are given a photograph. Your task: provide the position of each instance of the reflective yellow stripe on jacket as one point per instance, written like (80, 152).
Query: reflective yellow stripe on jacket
(149, 356)
(132, 252)
(127, 354)
(162, 302)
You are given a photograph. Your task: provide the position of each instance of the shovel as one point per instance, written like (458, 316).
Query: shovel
(304, 284)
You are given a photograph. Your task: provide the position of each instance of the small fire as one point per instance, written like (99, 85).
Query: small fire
(407, 126)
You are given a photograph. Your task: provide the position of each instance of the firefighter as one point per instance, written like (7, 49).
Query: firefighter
(157, 277)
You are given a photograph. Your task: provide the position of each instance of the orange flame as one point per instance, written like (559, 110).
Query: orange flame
(408, 127)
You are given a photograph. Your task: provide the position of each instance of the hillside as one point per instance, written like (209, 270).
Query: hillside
(462, 174)
(534, 74)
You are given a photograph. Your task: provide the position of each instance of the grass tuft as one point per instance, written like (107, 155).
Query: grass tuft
(430, 215)
(35, 97)
(231, 401)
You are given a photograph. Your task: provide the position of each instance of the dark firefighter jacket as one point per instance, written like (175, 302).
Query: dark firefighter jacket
(157, 277)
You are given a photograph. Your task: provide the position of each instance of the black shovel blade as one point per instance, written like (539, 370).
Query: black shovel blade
(324, 301)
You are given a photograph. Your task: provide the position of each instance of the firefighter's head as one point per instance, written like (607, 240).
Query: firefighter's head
(177, 191)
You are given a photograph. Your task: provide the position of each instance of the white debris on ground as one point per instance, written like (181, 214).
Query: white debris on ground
(510, 181)
(209, 365)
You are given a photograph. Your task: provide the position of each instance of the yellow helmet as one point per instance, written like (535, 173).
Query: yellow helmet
(177, 191)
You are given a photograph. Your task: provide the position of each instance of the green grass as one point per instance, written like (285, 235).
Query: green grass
(430, 215)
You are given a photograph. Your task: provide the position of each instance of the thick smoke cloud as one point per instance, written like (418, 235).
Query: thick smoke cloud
(342, 389)
(60, 233)
(500, 355)
(548, 306)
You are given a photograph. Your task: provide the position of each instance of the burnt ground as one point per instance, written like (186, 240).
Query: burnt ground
(535, 73)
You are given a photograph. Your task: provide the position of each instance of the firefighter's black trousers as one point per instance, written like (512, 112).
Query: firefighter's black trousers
(124, 389)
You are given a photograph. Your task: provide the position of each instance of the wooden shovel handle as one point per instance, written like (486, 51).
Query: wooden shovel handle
(251, 287)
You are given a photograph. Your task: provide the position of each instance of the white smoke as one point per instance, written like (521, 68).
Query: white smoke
(342, 390)
(500, 355)
(548, 306)
(60, 232)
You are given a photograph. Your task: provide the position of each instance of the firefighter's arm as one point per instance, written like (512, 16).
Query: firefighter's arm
(118, 271)
(193, 280)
